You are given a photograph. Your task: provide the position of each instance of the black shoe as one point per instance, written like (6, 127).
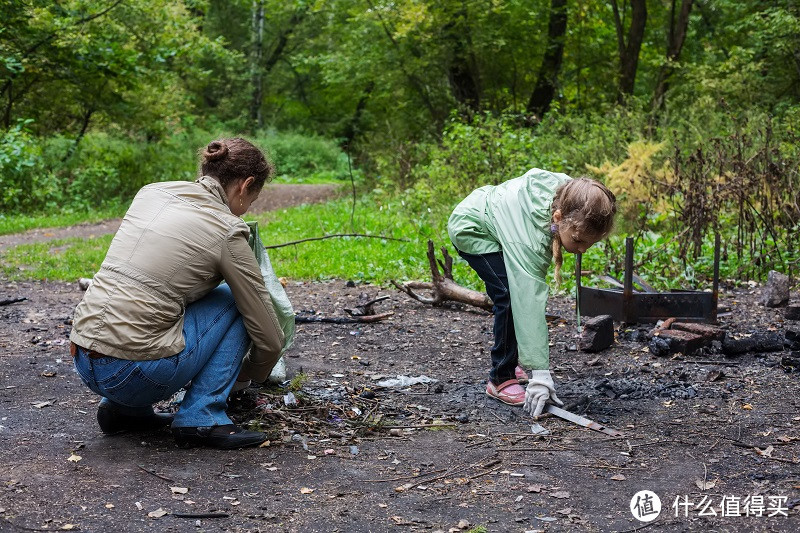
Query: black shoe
(112, 421)
(226, 437)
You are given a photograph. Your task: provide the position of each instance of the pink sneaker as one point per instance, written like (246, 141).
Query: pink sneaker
(508, 392)
(521, 375)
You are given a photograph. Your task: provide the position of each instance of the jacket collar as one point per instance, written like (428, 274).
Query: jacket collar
(214, 187)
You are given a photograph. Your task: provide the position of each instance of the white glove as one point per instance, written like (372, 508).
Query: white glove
(240, 385)
(540, 389)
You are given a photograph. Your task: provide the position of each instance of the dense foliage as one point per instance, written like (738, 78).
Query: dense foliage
(689, 109)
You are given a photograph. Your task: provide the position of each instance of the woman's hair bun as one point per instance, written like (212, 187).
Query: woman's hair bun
(215, 151)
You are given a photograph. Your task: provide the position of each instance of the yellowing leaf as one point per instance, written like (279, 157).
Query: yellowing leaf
(747, 407)
(158, 513)
(705, 485)
(74, 458)
(306, 490)
(618, 477)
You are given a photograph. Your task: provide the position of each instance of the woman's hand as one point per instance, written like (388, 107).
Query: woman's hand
(242, 382)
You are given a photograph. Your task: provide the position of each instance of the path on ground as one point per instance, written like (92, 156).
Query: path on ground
(275, 196)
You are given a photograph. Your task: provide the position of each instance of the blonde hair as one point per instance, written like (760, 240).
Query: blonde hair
(587, 207)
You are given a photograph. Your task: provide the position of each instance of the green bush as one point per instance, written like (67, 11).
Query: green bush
(41, 175)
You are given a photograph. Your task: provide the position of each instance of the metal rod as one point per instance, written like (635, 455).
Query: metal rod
(578, 272)
(627, 291)
(715, 289)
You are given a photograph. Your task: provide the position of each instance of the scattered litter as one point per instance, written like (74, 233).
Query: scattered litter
(179, 490)
(289, 399)
(353, 450)
(538, 429)
(405, 381)
(158, 513)
(74, 458)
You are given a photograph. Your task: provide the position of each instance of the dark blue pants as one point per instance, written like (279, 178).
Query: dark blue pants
(492, 270)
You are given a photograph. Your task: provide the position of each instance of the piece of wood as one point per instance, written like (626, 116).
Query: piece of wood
(12, 301)
(344, 320)
(442, 287)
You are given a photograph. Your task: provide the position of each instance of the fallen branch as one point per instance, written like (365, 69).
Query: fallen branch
(334, 235)
(12, 301)
(344, 320)
(443, 288)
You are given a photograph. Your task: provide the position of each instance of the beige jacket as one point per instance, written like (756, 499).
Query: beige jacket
(177, 242)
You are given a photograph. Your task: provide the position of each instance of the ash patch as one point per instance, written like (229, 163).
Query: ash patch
(639, 389)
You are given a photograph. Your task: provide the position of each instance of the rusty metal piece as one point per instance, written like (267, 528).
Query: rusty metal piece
(632, 307)
(581, 420)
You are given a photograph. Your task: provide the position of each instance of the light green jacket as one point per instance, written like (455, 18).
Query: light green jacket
(514, 218)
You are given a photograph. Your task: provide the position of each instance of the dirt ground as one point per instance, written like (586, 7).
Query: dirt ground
(354, 456)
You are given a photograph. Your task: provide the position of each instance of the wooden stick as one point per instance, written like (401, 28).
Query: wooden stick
(159, 476)
(366, 319)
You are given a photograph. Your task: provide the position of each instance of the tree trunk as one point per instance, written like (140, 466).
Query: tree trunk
(550, 68)
(461, 71)
(629, 48)
(256, 70)
(351, 129)
(677, 36)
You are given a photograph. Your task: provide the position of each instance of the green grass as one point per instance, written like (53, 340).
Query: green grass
(59, 260)
(19, 223)
(372, 260)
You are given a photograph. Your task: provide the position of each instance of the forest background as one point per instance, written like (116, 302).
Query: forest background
(689, 110)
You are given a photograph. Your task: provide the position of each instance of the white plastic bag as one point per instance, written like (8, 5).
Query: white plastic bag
(280, 301)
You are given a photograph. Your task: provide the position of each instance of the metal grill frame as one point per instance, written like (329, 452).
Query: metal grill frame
(631, 307)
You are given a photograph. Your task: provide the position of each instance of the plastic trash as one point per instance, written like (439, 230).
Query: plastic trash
(405, 381)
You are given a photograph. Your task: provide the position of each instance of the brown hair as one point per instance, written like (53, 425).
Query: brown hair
(588, 207)
(230, 160)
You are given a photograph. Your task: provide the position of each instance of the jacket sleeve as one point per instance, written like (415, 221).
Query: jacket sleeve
(240, 269)
(526, 267)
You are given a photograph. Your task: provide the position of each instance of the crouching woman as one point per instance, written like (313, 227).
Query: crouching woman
(157, 317)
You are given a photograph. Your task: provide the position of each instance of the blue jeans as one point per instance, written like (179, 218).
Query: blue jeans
(492, 270)
(216, 342)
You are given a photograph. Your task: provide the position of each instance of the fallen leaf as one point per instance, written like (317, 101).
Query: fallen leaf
(67, 527)
(382, 505)
(109, 506)
(747, 407)
(565, 511)
(535, 488)
(560, 494)
(705, 485)
(463, 524)
(74, 458)
(48, 374)
(179, 490)
(618, 477)
(158, 513)
(39, 405)
(306, 490)
(766, 452)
